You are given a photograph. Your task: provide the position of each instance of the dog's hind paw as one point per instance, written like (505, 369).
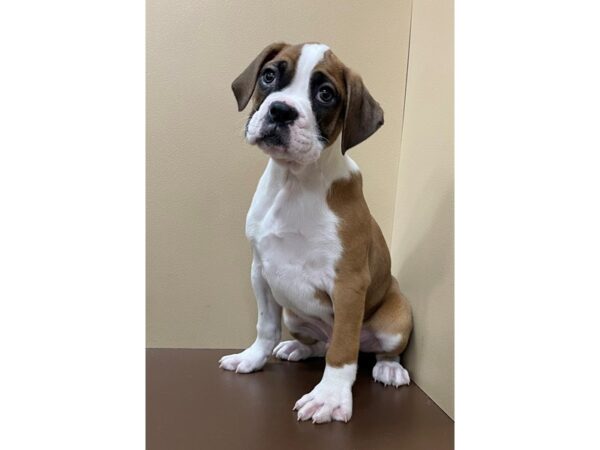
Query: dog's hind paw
(390, 373)
(297, 351)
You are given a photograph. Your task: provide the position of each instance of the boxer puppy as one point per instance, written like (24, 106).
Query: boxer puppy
(319, 258)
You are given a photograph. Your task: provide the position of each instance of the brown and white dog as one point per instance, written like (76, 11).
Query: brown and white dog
(319, 257)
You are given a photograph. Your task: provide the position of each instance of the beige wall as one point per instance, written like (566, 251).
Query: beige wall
(201, 175)
(423, 237)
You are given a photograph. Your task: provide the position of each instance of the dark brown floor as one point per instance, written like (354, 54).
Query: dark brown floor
(192, 404)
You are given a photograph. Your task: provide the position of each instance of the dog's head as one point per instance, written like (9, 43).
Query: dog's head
(304, 97)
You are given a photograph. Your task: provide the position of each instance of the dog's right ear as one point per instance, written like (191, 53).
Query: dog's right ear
(243, 86)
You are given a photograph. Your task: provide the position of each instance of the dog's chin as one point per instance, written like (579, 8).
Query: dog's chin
(283, 154)
(274, 150)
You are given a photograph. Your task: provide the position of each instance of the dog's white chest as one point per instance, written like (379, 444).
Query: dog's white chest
(294, 237)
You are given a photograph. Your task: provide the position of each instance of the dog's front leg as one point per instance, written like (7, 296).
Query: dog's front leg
(331, 399)
(268, 328)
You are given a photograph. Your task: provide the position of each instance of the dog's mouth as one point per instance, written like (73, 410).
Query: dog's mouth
(274, 138)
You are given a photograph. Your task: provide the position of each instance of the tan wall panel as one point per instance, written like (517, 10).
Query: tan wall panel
(423, 237)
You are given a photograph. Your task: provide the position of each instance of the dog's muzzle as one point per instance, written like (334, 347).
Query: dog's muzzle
(276, 129)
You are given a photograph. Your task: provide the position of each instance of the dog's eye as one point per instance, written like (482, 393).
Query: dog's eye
(268, 76)
(325, 94)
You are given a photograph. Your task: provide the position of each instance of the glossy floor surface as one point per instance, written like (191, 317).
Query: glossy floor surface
(192, 404)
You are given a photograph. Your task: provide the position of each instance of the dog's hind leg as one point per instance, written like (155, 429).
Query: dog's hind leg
(391, 324)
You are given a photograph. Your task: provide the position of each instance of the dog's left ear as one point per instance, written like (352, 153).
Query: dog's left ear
(243, 86)
(363, 115)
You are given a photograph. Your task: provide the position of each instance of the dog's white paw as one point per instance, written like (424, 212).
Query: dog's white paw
(390, 373)
(326, 402)
(296, 351)
(248, 361)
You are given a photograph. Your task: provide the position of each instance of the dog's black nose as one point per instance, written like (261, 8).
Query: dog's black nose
(280, 112)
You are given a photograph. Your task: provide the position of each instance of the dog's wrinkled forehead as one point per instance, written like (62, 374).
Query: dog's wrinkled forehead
(303, 61)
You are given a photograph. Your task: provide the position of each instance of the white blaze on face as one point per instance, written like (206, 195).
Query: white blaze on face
(304, 144)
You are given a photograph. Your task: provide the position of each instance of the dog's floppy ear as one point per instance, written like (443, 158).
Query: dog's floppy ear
(363, 115)
(243, 86)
